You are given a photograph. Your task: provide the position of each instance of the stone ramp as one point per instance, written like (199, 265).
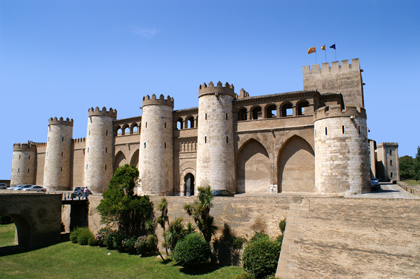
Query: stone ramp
(351, 238)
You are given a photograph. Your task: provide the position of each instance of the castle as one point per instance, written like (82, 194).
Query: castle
(309, 141)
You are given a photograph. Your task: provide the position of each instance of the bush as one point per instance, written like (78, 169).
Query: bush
(73, 235)
(192, 250)
(84, 235)
(93, 242)
(237, 242)
(129, 245)
(245, 275)
(101, 235)
(261, 257)
(282, 225)
(146, 245)
(258, 236)
(5, 219)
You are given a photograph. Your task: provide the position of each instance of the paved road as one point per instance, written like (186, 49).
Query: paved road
(388, 191)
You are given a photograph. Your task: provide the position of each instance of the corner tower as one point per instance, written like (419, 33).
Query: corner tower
(57, 170)
(342, 151)
(23, 164)
(345, 79)
(156, 146)
(215, 152)
(99, 149)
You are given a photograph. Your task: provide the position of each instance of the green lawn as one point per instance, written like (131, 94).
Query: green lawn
(67, 260)
(412, 182)
(7, 235)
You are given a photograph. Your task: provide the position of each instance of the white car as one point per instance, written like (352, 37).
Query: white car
(35, 188)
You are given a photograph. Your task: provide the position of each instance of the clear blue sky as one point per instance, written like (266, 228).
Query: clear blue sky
(59, 58)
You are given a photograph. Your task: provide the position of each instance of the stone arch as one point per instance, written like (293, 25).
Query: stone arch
(23, 230)
(271, 111)
(242, 114)
(189, 122)
(119, 160)
(135, 159)
(126, 129)
(183, 178)
(286, 109)
(134, 128)
(118, 131)
(296, 166)
(180, 123)
(256, 112)
(253, 168)
(300, 107)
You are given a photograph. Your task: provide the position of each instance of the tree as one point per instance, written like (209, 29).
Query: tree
(200, 212)
(407, 167)
(163, 218)
(121, 208)
(177, 232)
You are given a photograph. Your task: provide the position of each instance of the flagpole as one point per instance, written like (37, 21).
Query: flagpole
(335, 52)
(315, 55)
(325, 53)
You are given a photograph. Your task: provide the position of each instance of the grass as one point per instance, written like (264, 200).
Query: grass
(67, 260)
(7, 235)
(412, 182)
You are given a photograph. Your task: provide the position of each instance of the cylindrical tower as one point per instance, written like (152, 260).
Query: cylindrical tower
(99, 149)
(23, 164)
(341, 151)
(57, 170)
(156, 146)
(215, 150)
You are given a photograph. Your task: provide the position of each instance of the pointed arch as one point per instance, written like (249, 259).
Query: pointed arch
(296, 166)
(253, 168)
(135, 159)
(119, 160)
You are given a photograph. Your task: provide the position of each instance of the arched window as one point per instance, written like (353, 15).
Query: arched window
(119, 131)
(271, 111)
(179, 124)
(301, 107)
(135, 129)
(256, 113)
(190, 122)
(287, 109)
(242, 115)
(127, 131)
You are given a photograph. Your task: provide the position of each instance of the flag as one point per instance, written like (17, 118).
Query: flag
(323, 47)
(311, 50)
(333, 46)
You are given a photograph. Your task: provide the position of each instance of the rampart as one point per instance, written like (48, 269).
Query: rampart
(61, 121)
(97, 112)
(205, 89)
(147, 101)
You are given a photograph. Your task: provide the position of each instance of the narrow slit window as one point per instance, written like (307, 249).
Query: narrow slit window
(106, 132)
(205, 116)
(390, 152)
(146, 125)
(227, 139)
(105, 167)
(226, 116)
(19, 169)
(86, 166)
(106, 149)
(392, 174)
(62, 138)
(326, 131)
(390, 163)
(144, 145)
(61, 169)
(19, 156)
(29, 157)
(205, 139)
(28, 170)
(61, 154)
(164, 145)
(359, 130)
(165, 124)
(342, 129)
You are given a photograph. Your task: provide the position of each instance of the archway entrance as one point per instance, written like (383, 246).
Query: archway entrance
(296, 166)
(189, 185)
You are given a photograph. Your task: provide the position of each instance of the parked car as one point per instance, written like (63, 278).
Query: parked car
(3, 186)
(35, 188)
(222, 193)
(20, 187)
(374, 183)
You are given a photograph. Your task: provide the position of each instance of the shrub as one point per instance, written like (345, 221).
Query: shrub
(73, 235)
(282, 225)
(129, 245)
(93, 242)
(84, 235)
(245, 275)
(237, 242)
(108, 239)
(192, 250)
(101, 235)
(261, 257)
(5, 219)
(146, 244)
(259, 236)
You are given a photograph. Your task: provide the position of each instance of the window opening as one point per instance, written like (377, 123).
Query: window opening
(342, 129)
(179, 123)
(256, 113)
(106, 149)
(326, 131)
(227, 139)
(126, 131)
(205, 116)
(242, 115)
(287, 110)
(62, 138)
(390, 162)
(302, 107)
(205, 139)
(190, 122)
(271, 111)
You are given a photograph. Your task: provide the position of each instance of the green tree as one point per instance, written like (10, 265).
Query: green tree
(121, 208)
(163, 218)
(417, 165)
(200, 212)
(407, 167)
(176, 232)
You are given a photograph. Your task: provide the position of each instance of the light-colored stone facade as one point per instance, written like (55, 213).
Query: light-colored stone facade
(23, 164)
(244, 144)
(57, 173)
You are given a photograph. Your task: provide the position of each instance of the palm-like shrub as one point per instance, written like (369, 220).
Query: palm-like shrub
(261, 257)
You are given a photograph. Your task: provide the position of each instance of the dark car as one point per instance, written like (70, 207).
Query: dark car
(374, 183)
(3, 186)
(222, 193)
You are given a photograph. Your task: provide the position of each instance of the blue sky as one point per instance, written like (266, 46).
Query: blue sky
(59, 58)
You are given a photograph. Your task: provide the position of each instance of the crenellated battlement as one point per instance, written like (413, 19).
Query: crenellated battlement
(336, 111)
(243, 94)
(97, 112)
(335, 67)
(24, 147)
(79, 140)
(41, 144)
(148, 101)
(210, 89)
(61, 121)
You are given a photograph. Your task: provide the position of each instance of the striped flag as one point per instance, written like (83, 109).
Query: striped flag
(311, 50)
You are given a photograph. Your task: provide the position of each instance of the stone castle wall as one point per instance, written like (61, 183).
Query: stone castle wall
(23, 164)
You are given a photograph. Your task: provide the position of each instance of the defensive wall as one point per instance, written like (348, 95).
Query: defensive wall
(36, 216)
